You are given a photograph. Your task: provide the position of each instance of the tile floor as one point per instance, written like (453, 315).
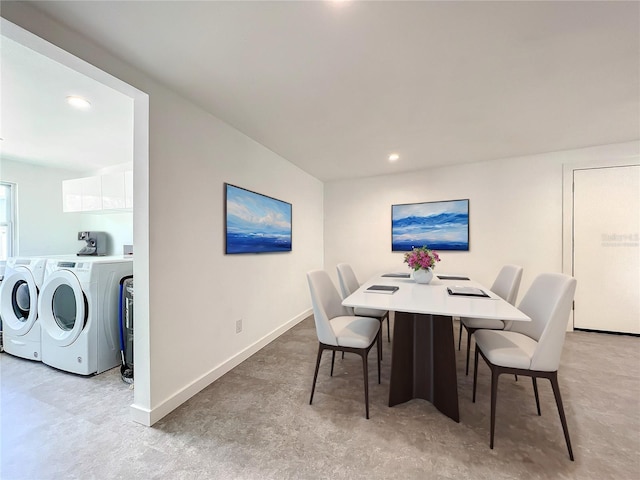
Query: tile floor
(255, 422)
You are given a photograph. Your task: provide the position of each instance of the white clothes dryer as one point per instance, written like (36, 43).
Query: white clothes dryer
(79, 311)
(19, 291)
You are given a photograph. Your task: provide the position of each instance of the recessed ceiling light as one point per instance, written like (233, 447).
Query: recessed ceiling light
(78, 102)
(393, 157)
(339, 3)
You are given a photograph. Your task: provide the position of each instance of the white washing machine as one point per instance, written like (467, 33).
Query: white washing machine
(19, 292)
(79, 311)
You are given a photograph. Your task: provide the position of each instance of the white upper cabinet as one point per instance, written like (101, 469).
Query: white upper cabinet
(100, 193)
(113, 191)
(82, 195)
(72, 195)
(91, 194)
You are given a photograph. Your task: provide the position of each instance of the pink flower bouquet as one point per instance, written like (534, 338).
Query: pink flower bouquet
(421, 258)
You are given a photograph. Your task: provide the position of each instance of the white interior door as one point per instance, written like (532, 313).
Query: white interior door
(606, 223)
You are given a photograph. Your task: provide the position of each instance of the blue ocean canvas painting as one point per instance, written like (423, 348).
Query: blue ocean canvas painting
(438, 225)
(256, 223)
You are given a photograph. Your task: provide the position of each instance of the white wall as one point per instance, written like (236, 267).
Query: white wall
(196, 293)
(43, 228)
(117, 226)
(515, 211)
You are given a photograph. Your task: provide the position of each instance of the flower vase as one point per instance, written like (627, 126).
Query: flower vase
(422, 275)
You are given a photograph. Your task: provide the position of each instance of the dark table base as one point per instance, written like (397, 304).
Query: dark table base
(423, 363)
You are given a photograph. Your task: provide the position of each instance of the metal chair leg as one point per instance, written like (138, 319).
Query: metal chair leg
(379, 356)
(469, 332)
(495, 375)
(556, 392)
(363, 352)
(388, 328)
(365, 371)
(535, 392)
(475, 375)
(315, 375)
(496, 371)
(333, 359)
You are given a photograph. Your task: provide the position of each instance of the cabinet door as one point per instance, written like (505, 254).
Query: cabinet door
(113, 191)
(72, 195)
(91, 194)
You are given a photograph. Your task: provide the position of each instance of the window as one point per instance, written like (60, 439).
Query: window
(7, 220)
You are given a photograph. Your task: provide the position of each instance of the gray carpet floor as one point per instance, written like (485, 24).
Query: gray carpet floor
(255, 422)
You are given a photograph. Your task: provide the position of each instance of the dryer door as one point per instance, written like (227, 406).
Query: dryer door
(19, 301)
(63, 308)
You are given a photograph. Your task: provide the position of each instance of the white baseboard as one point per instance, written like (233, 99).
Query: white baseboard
(149, 417)
(140, 415)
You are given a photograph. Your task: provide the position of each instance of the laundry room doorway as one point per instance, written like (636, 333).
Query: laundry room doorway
(140, 213)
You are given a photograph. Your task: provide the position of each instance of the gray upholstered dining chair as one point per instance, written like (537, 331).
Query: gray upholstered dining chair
(340, 331)
(532, 349)
(506, 286)
(349, 284)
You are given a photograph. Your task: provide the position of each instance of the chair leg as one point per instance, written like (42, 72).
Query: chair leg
(535, 392)
(365, 370)
(475, 375)
(333, 359)
(379, 341)
(495, 375)
(460, 335)
(343, 355)
(469, 332)
(388, 328)
(315, 375)
(556, 392)
(379, 357)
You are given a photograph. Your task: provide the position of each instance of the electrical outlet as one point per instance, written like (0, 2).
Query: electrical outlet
(238, 326)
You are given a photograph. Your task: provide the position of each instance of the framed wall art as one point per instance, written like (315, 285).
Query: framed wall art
(438, 225)
(255, 223)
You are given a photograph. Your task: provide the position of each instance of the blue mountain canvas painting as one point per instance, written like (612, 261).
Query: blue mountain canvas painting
(438, 225)
(256, 223)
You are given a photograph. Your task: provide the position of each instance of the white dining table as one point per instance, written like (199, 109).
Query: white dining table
(423, 363)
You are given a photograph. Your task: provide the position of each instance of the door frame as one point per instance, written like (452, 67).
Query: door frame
(568, 170)
(141, 408)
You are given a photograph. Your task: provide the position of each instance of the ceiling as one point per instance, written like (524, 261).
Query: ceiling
(40, 127)
(335, 87)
